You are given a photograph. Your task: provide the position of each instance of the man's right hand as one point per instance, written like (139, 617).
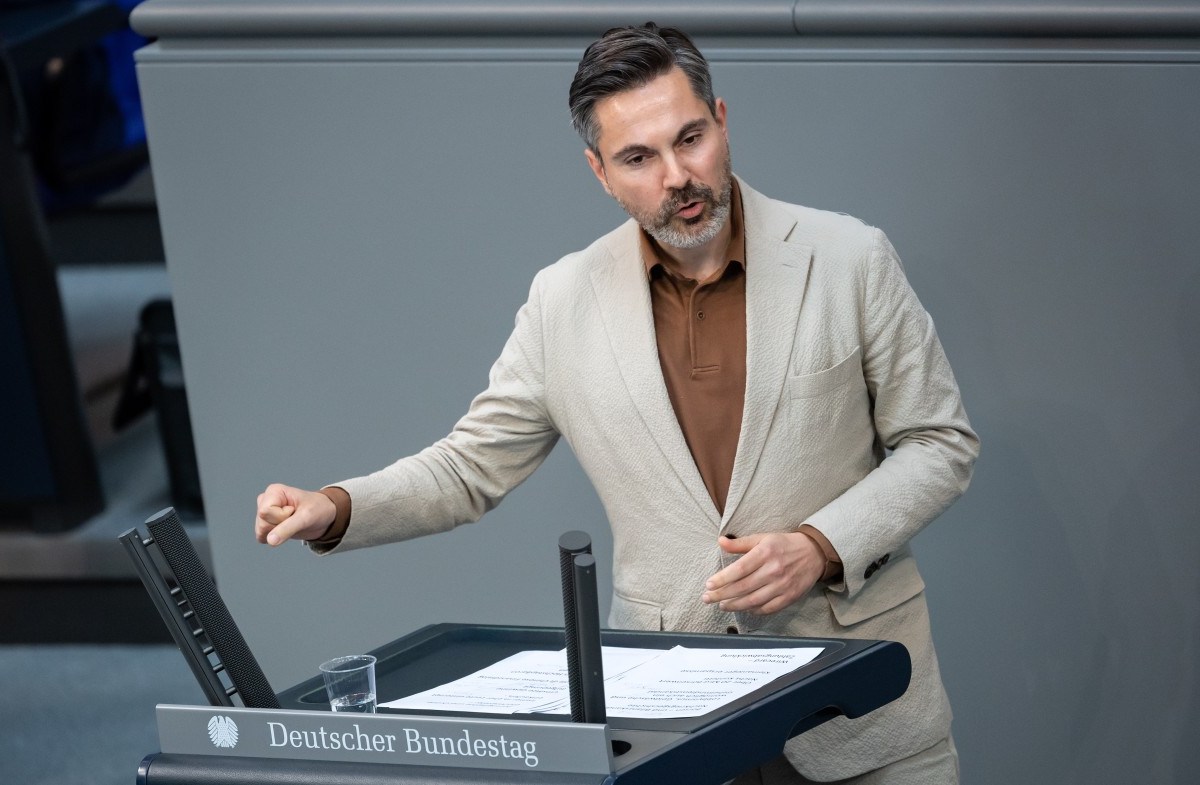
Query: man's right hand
(286, 513)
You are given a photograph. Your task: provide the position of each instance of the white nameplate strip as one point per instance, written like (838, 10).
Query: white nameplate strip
(518, 745)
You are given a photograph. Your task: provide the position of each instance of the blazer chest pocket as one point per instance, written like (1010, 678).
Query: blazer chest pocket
(813, 385)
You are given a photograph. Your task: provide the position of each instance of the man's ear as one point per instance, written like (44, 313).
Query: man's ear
(597, 167)
(721, 116)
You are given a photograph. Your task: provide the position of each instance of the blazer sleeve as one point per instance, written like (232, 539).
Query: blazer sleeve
(919, 418)
(504, 436)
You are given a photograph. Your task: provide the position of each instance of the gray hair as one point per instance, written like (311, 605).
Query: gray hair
(629, 57)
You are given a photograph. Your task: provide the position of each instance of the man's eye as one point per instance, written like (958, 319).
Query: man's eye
(691, 140)
(636, 160)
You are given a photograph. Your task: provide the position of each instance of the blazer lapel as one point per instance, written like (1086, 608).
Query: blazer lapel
(776, 275)
(623, 298)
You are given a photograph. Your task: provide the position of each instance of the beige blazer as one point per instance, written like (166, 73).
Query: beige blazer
(843, 368)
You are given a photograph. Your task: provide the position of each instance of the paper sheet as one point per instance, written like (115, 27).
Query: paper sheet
(646, 683)
(527, 681)
(692, 682)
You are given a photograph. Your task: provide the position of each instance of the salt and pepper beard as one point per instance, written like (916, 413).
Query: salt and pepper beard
(661, 225)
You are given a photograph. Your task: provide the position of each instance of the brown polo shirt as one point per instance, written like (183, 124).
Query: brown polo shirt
(700, 328)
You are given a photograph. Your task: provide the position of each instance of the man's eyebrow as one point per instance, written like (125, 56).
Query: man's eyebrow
(632, 149)
(690, 127)
(699, 124)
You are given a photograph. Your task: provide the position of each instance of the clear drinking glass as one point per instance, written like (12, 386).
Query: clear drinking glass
(350, 683)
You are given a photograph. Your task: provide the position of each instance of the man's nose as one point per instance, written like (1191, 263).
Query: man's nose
(675, 175)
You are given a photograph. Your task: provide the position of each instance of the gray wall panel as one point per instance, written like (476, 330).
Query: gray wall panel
(1043, 215)
(348, 242)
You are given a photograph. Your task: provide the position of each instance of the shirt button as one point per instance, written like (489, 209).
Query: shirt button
(700, 315)
(731, 630)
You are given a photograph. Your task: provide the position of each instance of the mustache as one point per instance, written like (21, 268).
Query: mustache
(690, 192)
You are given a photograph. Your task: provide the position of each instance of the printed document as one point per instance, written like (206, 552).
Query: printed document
(644, 683)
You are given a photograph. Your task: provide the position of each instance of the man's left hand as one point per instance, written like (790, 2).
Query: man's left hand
(774, 571)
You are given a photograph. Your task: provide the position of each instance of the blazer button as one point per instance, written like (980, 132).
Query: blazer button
(731, 630)
(871, 569)
(885, 558)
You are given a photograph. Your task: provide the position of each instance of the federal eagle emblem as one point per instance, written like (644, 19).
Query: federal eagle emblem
(223, 731)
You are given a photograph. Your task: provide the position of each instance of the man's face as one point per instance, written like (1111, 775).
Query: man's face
(665, 158)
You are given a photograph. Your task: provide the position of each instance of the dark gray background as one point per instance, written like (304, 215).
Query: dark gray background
(351, 224)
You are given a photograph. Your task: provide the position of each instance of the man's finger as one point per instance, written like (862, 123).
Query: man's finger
(733, 581)
(740, 568)
(754, 602)
(274, 514)
(726, 577)
(275, 495)
(731, 544)
(729, 591)
(287, 529)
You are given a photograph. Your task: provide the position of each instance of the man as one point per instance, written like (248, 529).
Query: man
(731, 372)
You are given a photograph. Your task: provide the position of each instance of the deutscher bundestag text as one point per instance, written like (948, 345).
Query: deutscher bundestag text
(413, 743)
